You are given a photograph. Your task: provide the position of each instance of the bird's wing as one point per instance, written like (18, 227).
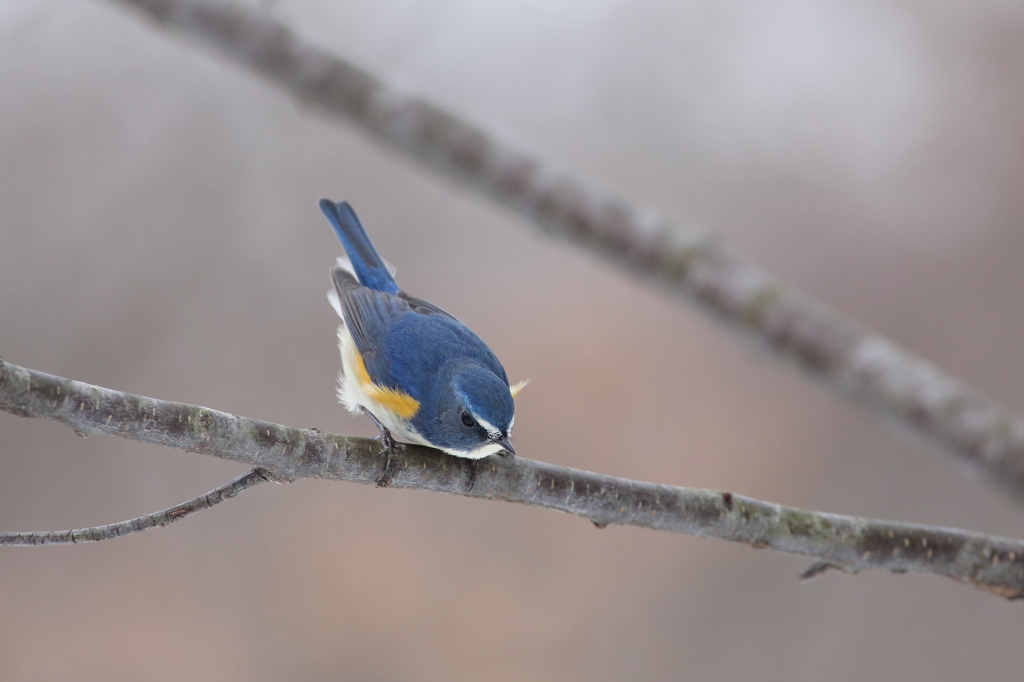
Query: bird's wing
(375, 319)
(371, 315)
(424, 307)
(368, 313)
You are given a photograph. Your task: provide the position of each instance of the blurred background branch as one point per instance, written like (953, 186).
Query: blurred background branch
(920, 396)
(843, 542)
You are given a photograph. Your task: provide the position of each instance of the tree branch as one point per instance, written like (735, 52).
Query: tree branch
(154, 520)
(849, 543)
(920, 396)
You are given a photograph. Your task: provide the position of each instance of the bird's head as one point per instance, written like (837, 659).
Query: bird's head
(476, 415)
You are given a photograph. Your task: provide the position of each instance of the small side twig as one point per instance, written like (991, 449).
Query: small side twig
(817, 569)
(154, 520)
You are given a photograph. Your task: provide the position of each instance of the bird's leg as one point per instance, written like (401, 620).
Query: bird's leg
(471, 463)
(387, 441)
(388, 447)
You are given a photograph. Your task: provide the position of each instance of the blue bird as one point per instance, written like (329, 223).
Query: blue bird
(413, 368)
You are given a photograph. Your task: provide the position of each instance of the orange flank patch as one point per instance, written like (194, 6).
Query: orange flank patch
(399, 402)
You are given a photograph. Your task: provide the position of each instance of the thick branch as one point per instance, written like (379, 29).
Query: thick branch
(850, 543)
(154, 520)
(866, 366)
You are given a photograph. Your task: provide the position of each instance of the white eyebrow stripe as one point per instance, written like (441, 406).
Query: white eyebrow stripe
(491, 429)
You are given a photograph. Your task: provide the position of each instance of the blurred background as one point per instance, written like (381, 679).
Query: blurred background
(159, 234)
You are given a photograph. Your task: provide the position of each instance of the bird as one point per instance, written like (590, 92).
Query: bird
(413, 368)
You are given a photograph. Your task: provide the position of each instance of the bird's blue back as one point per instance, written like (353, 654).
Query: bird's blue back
(406, 343)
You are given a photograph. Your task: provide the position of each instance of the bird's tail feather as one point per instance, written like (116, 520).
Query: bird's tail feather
(369, 267)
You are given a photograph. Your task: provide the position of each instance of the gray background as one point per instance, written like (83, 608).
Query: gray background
(159, 234)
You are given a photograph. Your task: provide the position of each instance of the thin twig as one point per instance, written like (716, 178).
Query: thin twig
(850, 543)
(160, 518)
(866, 366)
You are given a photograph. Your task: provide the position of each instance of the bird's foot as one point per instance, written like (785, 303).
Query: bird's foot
(387, 443)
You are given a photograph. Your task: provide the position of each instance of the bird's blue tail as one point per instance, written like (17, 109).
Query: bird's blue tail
(367, 263)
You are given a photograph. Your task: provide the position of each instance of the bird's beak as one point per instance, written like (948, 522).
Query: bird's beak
(506, 445)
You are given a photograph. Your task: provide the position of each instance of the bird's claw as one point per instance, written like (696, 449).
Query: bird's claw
(387, 443)
(471, 463)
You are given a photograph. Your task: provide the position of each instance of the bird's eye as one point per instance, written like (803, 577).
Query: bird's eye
(468, 420)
